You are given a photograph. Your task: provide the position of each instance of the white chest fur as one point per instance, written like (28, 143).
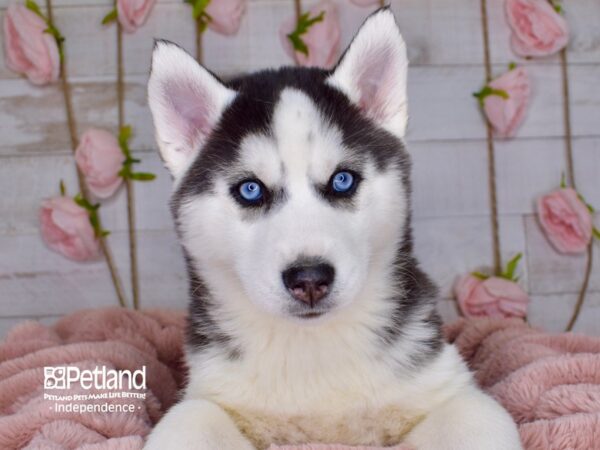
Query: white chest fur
(293, 392)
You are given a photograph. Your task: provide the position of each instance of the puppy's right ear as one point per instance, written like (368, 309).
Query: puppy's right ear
(186, 102)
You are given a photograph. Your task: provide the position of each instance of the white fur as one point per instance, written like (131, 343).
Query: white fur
(183, 121)
(329, 379)
(373, 72)
(247, 257)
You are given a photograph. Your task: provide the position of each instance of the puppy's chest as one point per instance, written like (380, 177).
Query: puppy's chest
(357, 404)
(358, 426)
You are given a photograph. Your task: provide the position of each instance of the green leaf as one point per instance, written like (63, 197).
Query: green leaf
(85, 204)
(104, 233)
(110, 17)
(95, 222)
(305, 22)
(480, 275)
(557, 6)
(199, 8)
(125, 134)
(512, 65)
(142, 176)
(52, 30)
(486, 91)
(63, 189)
(58, 37)
(203, 23)
(563, 181)
(92, 212)
(596, 232)
(80, 201)
(589, 207)
(199, 13)
(511, 267)
(33, 6)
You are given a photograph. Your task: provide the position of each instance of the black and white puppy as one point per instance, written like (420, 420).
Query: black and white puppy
(310, 320)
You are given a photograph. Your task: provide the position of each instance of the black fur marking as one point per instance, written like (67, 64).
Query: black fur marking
(251, 112)
(202, 330)
(419, 295)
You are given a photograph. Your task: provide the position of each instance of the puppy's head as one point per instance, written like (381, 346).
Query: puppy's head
(290, 185)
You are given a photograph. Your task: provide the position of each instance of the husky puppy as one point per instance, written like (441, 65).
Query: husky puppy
(310, 320)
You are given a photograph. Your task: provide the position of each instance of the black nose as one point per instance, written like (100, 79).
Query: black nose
(309, 283)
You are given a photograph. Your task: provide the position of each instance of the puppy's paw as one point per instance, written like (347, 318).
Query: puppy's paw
(197, 425)
(470, 421)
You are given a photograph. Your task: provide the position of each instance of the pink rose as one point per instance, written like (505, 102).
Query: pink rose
(133, 14)
(566, 220)
(28, 49)
(322, 38)
(66, 229)
(493, 297)
(507, 114)
(226, 15)
(538, 30)
(366, 2)
(99, 158)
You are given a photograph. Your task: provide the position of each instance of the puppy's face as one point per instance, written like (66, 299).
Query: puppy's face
(290, 185)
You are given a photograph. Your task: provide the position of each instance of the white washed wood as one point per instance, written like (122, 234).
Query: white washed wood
(561, 307)
(441, 108)
(446, 139)
(587, 167)
(441, 32)
(452, 246)
(527, 169)
(449, 178)
(37, 281)
(91, 46)
(20, 208)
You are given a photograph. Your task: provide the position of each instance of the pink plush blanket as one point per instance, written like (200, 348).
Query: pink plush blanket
(550, 384)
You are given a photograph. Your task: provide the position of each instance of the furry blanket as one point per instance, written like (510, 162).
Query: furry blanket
(550, 384)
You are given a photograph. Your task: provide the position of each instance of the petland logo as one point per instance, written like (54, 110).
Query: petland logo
(62, 377)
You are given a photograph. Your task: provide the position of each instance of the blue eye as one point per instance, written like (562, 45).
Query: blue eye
(251, 191)
(342, 181)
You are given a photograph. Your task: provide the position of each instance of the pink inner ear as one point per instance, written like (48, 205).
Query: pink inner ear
(376, 82)
(188, 110)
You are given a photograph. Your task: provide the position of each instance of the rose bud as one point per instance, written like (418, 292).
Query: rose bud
(537, 28)
(505, 100)
(29, 50)
(66, 229)
(566, 220)
(492, 297)
(225, 15)
(132, 14)
(100, 158)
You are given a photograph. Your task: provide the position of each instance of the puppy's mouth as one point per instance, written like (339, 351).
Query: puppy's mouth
(310, 315)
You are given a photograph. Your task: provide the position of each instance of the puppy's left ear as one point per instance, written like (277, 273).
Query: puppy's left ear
(372, 72)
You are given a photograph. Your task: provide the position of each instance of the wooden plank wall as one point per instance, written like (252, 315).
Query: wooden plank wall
(446, 139)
